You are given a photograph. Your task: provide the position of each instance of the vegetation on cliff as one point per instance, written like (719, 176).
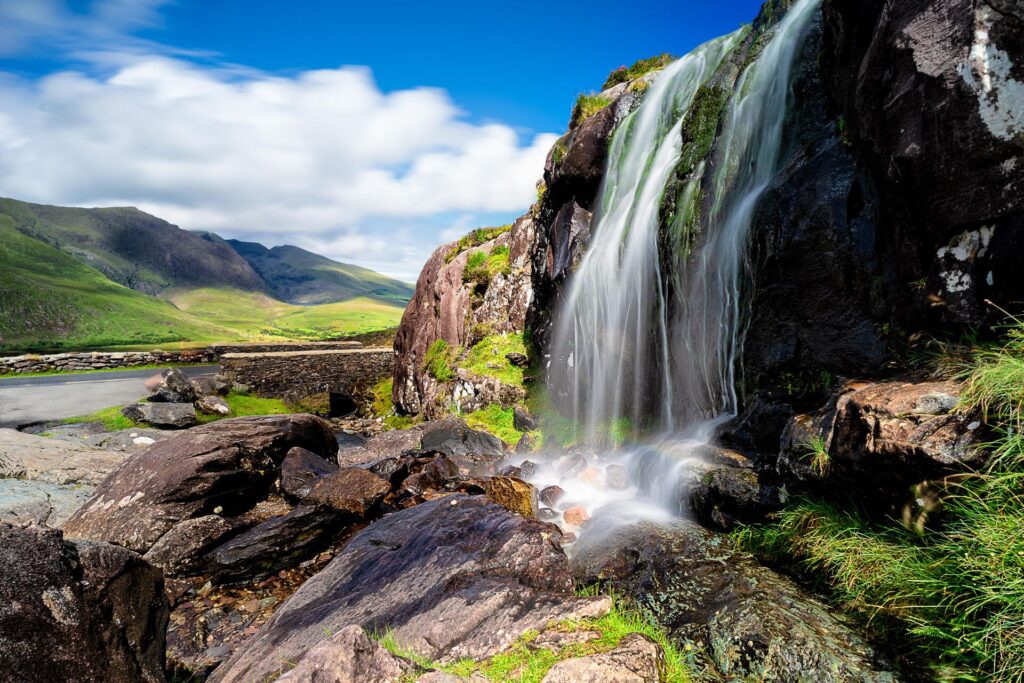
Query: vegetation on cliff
(637, 69)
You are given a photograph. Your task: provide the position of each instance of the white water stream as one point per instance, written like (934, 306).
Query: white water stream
(637, 348)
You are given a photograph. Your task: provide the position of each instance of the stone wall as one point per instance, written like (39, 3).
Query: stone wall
(106, 360)
(296, 374)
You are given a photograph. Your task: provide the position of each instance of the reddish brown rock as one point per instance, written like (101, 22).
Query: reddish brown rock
(351, 490)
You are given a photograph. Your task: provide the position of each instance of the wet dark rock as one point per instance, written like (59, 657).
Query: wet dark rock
(520, 360)
(301, 470)
(93, 609)
(754, 622)
(174, 387)
(572, 465)
(522, 420)
(278, 543)
(350, 490)
(726, 494)
(526, 443)
(528, 468)
(225, 467)
(545, 514)
(510, 471)
(162, 415)
(453, 577)
(452, 437)
(550, 495)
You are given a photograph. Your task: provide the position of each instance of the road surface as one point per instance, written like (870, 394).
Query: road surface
(26, 400)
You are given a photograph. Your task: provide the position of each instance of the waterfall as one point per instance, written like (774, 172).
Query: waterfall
(637, 345)
(651, 329)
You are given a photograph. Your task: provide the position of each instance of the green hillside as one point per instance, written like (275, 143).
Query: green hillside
(253, 315)
(49, 300)
(302, 277)
(133, 248)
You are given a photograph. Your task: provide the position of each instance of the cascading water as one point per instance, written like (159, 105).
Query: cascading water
(652, 339)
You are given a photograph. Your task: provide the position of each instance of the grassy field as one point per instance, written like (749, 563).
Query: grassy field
(254, 315)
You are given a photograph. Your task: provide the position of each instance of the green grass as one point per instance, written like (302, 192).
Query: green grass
(381, 406)
(111, 419)
(585, 107)
(474, 239)
(482, 267)
(439, 359)
(255, 316)
(495, 420)
(526, 662)
(951, 595)
(637, 69)
(487, 358)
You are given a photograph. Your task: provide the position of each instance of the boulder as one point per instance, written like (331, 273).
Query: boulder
(213, 405)
(224, 467)
(174, 387)
(880, 438)
(300, 470)
(127, 440)
(636, 659)
(96, 610)
(387, 444)
(207, 385)
(351, 490)
(522, 420)
(162, 415)
(454, 577)
(726, 494)
(514, 494)
(279, 543)
(452, 437)
(349, 656)
(700, 588)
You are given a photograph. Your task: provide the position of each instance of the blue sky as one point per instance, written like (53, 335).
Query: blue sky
(367, 131)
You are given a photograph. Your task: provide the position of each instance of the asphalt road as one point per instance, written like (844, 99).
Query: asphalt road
(26, 400)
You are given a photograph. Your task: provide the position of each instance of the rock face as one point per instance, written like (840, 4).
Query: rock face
(350, 490)
(301, 470)
(754, 622)
(93, 609)
(877, 439)
(458, 576)
(224, 467)
(447, 306)
(349, 656)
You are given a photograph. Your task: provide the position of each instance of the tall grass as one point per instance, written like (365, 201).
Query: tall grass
(954, 594)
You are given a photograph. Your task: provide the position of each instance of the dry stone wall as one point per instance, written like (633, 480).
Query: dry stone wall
(296, 374)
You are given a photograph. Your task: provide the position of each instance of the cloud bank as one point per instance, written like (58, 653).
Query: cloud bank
(323, 159)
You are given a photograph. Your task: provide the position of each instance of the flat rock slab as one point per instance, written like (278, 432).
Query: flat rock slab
(453, 577)
(636, 659)
(55, 461)
(40, 502)
(349, 656)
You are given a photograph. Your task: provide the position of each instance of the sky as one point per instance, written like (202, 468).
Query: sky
(367, 132)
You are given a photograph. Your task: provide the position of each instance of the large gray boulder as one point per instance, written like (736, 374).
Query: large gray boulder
(162, 415)
(87, 612)
(453, 577)
(755, 623)
(222, 468)
(349, 656)
(636, 659)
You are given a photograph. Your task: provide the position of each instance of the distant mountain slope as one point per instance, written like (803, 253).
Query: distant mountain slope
(302, 277)
(50, 300)
(133, 248)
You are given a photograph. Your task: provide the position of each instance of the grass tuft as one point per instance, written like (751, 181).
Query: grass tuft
(585, 107)
(439, 360)
(637, 69)
(487, 358)
(495, 420)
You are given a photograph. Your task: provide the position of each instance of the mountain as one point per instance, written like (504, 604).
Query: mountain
(133, 248)
(49, 299)
(302, 277)
(84, 278)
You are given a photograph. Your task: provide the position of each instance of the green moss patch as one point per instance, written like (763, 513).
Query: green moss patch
(487, 358)
(439, 360)
(496, 420)
(585, 107)
(637, 69)
(474, 239)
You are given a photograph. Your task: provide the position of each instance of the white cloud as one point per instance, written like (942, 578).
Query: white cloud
(317, 158)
